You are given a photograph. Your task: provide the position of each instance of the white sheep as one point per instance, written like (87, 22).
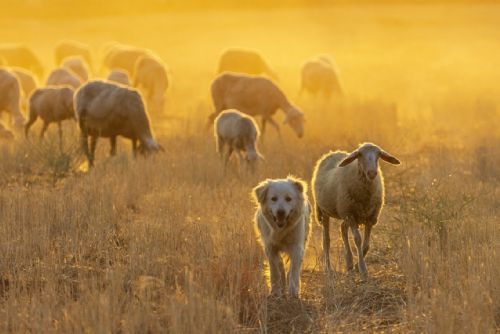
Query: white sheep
(239, 133)
(350, 187)
(244, 61)
(69, 48)
(10, 97)
(119, 76)
(51, 104)
(105, 109)
(150, 77)
(77, 65)
(319, 75)
(63, 77)
(254, 95)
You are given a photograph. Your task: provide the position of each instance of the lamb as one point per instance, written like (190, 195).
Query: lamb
(319, 75)
(63, 77)
(123, 57)
(10, 97)
(109, 110)
(51, 104)
(69, 48)
(254, 95)
(78, 66)
(244, 61)
(350, 187)
(239, 132)
(119, 76)
(20, 56)
(151, 79)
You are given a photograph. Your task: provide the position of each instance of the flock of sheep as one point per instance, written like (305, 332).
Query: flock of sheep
(346, 186)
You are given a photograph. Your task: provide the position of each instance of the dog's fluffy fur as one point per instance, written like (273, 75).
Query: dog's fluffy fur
(282, 220)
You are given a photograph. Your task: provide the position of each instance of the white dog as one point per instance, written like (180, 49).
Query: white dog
(282, 220)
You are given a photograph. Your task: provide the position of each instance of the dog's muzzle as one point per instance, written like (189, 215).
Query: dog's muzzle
(280, 218)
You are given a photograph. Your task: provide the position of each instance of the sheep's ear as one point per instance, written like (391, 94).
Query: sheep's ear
(350, 158)
(260, 192)
(389, 158)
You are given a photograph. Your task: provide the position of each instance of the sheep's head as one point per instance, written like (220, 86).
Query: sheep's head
(295, 118)
(367, 155)
(149, 146)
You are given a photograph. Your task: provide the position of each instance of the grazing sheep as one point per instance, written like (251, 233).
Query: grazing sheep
(20, 56)
(68, 48)
(119, 76)
(319, 75)
(282, 220)
(350, 187)
(254, 96)
(5, 134)
(51, 104)
(123, 57)
(63, 77)
(151, 79)
(27, 82)
(78, 66)
(244, 61)
(10, 97)
(239, 132)
(109, 110)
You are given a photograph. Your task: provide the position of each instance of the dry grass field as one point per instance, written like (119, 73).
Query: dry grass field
(167, 243)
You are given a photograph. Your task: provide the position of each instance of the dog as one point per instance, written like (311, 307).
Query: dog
(282, 221)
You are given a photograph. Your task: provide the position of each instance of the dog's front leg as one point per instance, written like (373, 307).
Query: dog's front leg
(277, 271)
(296, 256)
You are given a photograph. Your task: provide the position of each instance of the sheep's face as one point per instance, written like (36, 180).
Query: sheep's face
(149, 146)
(281, 201)
(295, 118)
(367, 156)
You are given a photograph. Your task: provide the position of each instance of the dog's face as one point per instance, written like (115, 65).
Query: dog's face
(281, 200)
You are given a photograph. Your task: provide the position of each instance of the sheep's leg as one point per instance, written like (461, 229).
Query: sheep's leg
(220, 147)
(44, 128)
(263, 127)
(93, 145)
(112, 141)
(277, 270)
(275, 125)
(344, 227)
(60, 131)
(84, 139)
(134, 147)
(325, 221)
(296, 257)
(29, 124)
(357, 240)
(366, 239)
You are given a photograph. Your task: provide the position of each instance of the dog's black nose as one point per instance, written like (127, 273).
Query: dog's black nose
(280, 213)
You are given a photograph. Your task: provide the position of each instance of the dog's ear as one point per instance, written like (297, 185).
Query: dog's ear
(260, 192)
(300, 185)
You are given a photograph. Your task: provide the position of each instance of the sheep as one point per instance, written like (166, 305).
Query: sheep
(123, 57)
(78, 66)
(350, 187)
(69, 48)
(319, 75)
(119, 76)
(244, 61)
(27, 83)
(254, 95)
(20, 56)
(105, 109)
(239, 132)
(63, 77)
(51, 104)
(151, 79)
(10, 97)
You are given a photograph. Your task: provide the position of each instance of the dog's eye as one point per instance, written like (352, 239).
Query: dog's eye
(274, 198)
(288, 199)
